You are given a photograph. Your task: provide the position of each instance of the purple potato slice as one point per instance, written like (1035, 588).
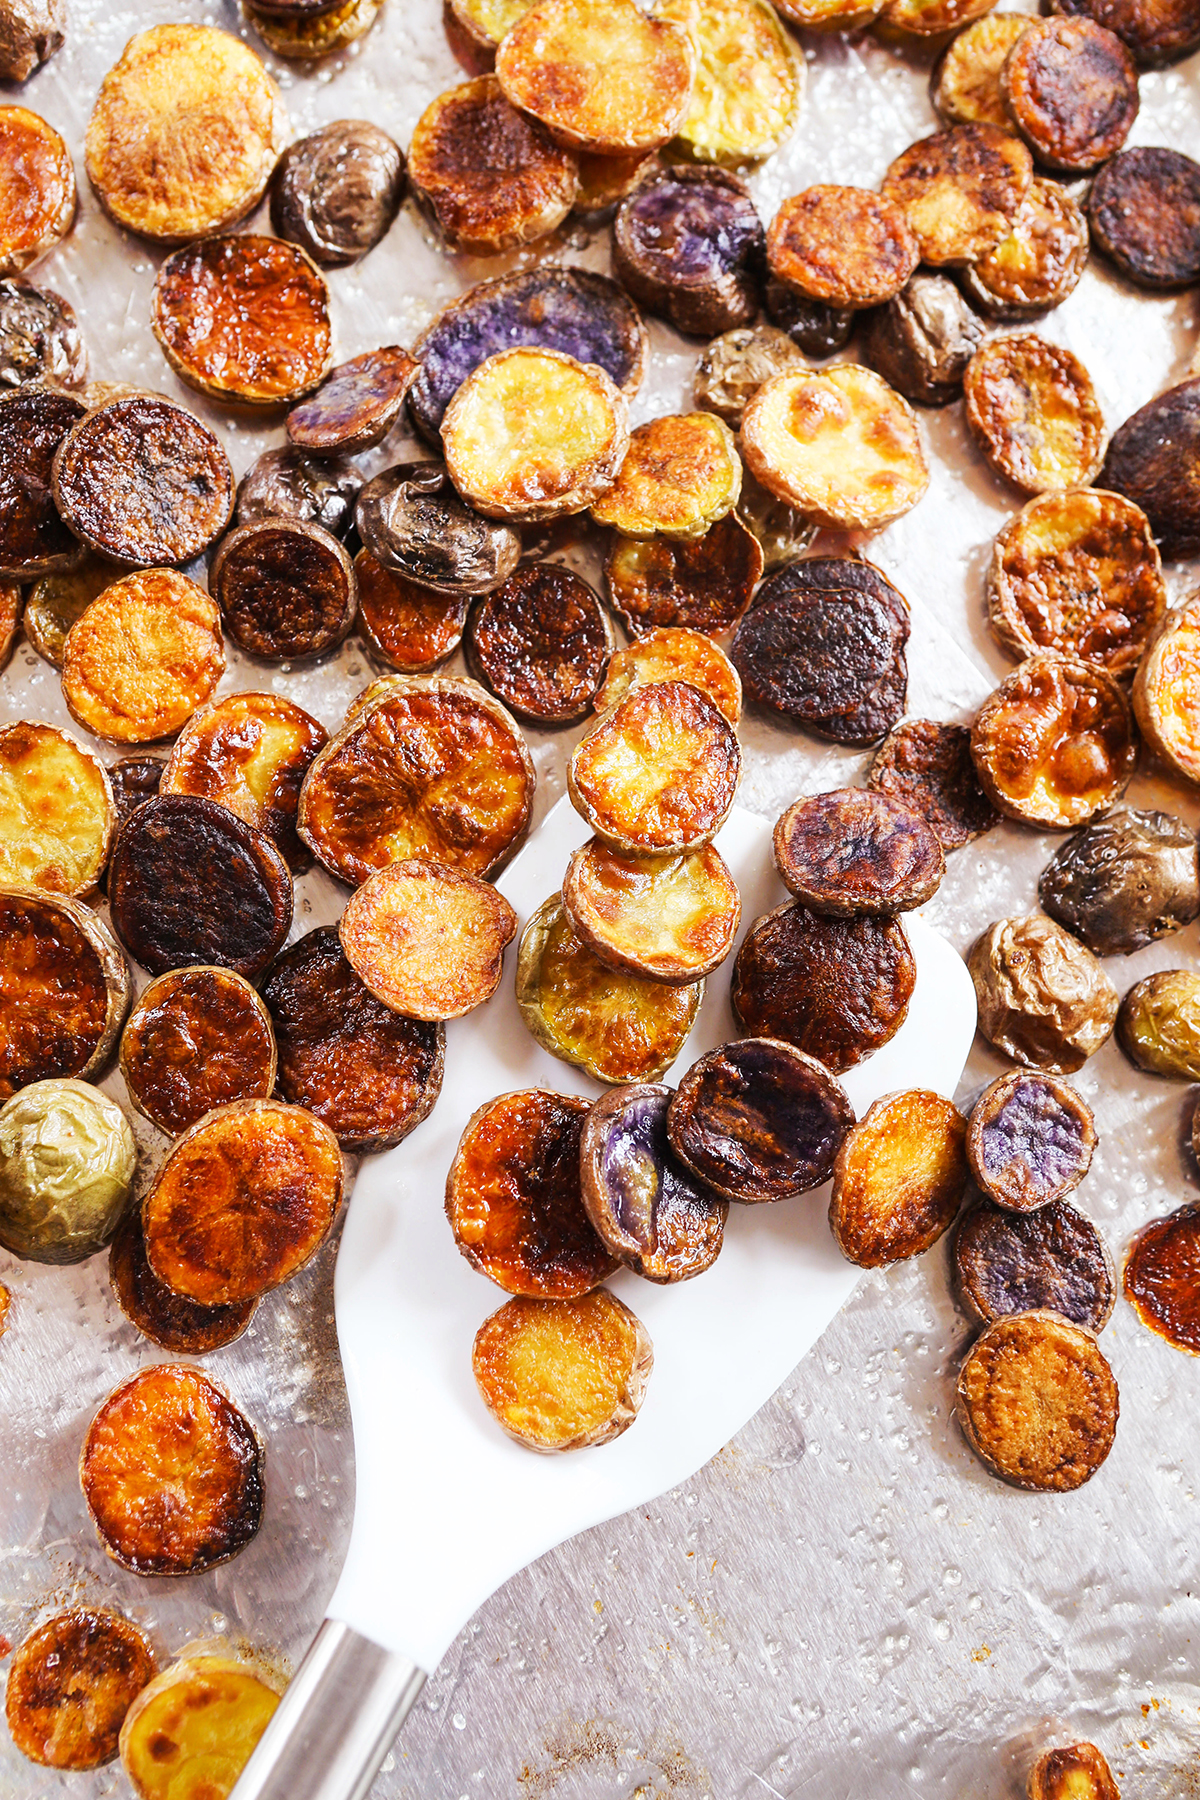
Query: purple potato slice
(689, 245)
(1053, 1259)
(355, 406)
(853, 851)
(649, 1210)
(1030, 1140)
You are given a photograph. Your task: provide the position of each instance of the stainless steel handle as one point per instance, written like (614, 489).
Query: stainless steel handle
(336, 1722)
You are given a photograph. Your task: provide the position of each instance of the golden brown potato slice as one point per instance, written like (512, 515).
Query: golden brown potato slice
(143, 657)
(56, 810)
(1033, 412)
(1054, 744)
(899, 1178)
(604, 180)
(674, 654)
(961, 189)
(306, 36)
(412, 628)
(845, 246)
(70, 1685)
(749, 79)
(1078, 1772)
(830, 15)
(186, 130)
(681, 474)
(1037, 1402)
(190, 1733)
(704, 584)
(245, 1199)
(12, 610)
(426, 940)
(197, 1038)
(928, 18)
(171, 1472)
(37, 189)
(64, 989)
(839, 445)
(659, 772)
(486, 22)
(671, 918)
(1072, 88)
(1039, 263)
(533, 434)
(166, 1318)
(435, 769)
(56, 601)
(1166, 693)
(563, 1374)
(602, 75)
(965, 85)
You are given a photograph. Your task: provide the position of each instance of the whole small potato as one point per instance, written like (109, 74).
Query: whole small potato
(30, 32)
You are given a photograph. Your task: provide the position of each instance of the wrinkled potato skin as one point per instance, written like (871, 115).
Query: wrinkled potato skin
(1037, 1402)
(1072, 89)
(336, 193)
(1076, 1773)
(1033, 412)
(37, 189)
(31, 31)
(1043, 999)
(899, 1179)
(70, 1685)
(737, 364)
(922, 340)
(1158, 1026)
(1128, 880)
(1054, 744)
(561, 1375)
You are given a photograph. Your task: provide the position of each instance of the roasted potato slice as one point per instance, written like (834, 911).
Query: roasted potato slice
(689, 245)
(961, 189)
(133, 780)
(245, 1199)
(56, 811)
(702, 584)
(244, 319)
(1037, 1402)
(737, 364)
(1051, 1260)
(1154, 460)
(514, 1197)
(1157, 31)
(899, 1178)
(674, 654)
(1164, 692)
(1160, 1278)
(175, 89)
(1043, 999)
(838, 444)
(1039, 263)
(286, 590)
(356, 405)
(965, 84)
(1077, 572)
(70, 1685)
(192, 882)
(680, 476)
(426, 940)
(542, 643)
(67, 1166)
(601, 75)
(830, 15)
(649, 1209)
(1030, 1140)
(1144, 211)
(308, 35)
(64, 989)
(845, 246)
(927, 766)
(671, 918)
(922, 340)
(658, 774)
(909, 19)
(1077, 1773)
(1158, 1026)
(411, 520)
(166, 1318)
(563, 1374)
(816, 329)
(172, 1473)
(37, 189)
(614, 1025)
(31, 31)
(434, 769)
(853, 851)
(12, 609)
(337, 191)
(33, 539)
(604, 181)
(411, 628)
(1054, 745)
(1072, 89)
(369, 1074)
(287, 484)
(486, 22)
(145, 654)
(1128, 879)
(758, 1121)
(749, 79)
(191, 1732)
(55, 602)
(1033, 412)
(197, 1038)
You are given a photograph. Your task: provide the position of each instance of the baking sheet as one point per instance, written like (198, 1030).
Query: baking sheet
(843, 1602)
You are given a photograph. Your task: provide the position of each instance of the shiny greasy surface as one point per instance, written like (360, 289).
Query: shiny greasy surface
(704, 585)
(356, 405)
(1053, 1258)
(33, 539)
(337, 191)
(145, 654)
(681, 475)
(1043, 999)
(426, 940)
(1030, 1141)
(852, 851)
(172, 1473)
(659, 772)
(689, 244)
(899, 1178)
(1033, 411)
(37, 188)
(1037, 1402)
(922, 340)
(1130, 878)
(561, 1374)
(541, 642)
(56, 810)
(70, 1685)
(1164, 692)
(410, 627)
(189, 1735)
(288, 484)
(1162, 1278)
(961, 189)
(54, 998)
(845, 246)
(1072, 88)
(161, 1315)
(286, 589)
(411, 520)
(672, 918)
(1054, 745)
(673, 653)
(197, 1038)
(649, 1209)
(927, 765)
(1076, 1772)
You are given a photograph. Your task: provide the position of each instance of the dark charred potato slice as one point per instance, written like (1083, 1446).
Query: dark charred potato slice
(142, 657)
(649, 1209)
(1030, 1140)
(922, 340)
(286, 590)
(1154, 460)
(67, 1168)
(64, 989)
(31, 31)
(1072, 87)
(758, 1121)
(1033, 412)
(1164, 688)
(356, 405)
(337, 191)
(246, 1199)
(1054, 745)
(852, 851)
(563, 1374)
(845, 246)
(70, 1685)
(615, 1025)
(541, 643)
(37, 189)
(659, 772)
(56, 811)
(191, 882)
(1144, 211)
(1043, 999)
(427, 941)
(1039, 263)
(965, 84)
(899, 1179)
(961, 190)
(574, 311)
(927, 766)
(197, 1038)
(177, 87)
(673, 654)
(308, 34)
(1162, 1278)
(412, 628)
(672, 918)
(1158, 1026)
(1078, 1772)
(143, 483)
(172, 1473)
(813, 327)
(435, 769)
(1037, 1402)
(601, 75)
(166, 1318)
(33, 539)
(491, 178)
(195, 1724)
(1156, 31)
(367, 1073)
(1127, 880)
(704, 584)
(411, 520)
(689, 245)
(737, 364)
(1077, 572)
(837, 989)
(680, 476)
(244, 319)
(1052, 1260)
(287, 484)
(514, 1197)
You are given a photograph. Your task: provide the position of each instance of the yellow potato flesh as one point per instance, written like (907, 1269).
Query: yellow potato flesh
(491, 19)
(191, 1732)
(681, 474)
(55, 811)
(748, 79)
(968, 87)
(559, 1374)
(1167, 694)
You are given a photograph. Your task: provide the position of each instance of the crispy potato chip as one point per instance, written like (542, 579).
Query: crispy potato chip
(681, 474)
(1037, 1402)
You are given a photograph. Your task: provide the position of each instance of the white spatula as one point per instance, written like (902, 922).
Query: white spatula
(448, 1507)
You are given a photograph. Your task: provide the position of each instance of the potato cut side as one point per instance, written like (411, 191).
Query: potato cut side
(1054, 745)
(845, 246)
(1039, 263)
(197, 1038)
(64, 989)
(681, 474)
(965, 87)
(674, 654)
(602, 75)
(840, 446)
(142, 658)
(703, 584)
(286, 589)
(961, 189)
(1033, 412)
(428, 941)
(160, 1314)
(178, 88)
(1037, 1402)
(1030, 1141)
(899, 1179)
(488, 21)
(304, 37)
(1166, 695)
(563, 1374)
(533, 434)
(542, 642)
(749, 79)
(56, 810)
(70, 1685)
(830, 15)
(671, 918)
(1079, 1772)
(1072, 88)
(653, 1213)
(604, 180)
(192, 1730)
(850, 851)
(37, 189)
(411, 628)
(928, 18)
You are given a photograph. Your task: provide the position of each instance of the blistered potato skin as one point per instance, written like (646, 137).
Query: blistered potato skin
(671, 918)
(337, 191)
(1043, 999)
(737, 364)
(749, 79)
(1127, 880)
(1033, 411)
(31, 32)
(191, 1732)
(56, 810)
(680, 476)
(922, 340)
(561, 1375)
(1164, 691)
(411, 520)
(160, 1314)
(426, 940)
(1054, 744)
(1037, 1402)
(899, 1178)
(70, 1685)
(703, 584)
(961, 189)
(37, 189)
(142, 658)
(197, 1038)
(64, 990)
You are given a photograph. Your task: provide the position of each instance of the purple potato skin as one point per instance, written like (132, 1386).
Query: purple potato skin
(572, 310)
(1030, 1141)
(689, 245)
(649, 1210)
(1054, 1259)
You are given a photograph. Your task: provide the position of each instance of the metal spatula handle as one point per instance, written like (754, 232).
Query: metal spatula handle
(336, 1722)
